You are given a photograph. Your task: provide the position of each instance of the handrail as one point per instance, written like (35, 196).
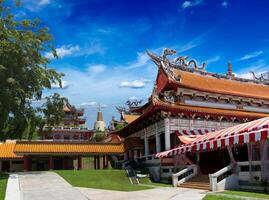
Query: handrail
(190, 168)
(213, 178)
(246, 163)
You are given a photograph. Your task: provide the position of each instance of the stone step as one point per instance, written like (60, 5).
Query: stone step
(195, 187)
(195, 183)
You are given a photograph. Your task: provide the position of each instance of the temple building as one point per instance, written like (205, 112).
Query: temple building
(72, 127)
(188, 102)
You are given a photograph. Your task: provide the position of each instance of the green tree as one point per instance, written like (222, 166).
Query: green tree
(24, 72)
(53, 109)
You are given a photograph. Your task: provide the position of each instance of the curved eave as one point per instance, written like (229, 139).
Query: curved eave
(159, 105)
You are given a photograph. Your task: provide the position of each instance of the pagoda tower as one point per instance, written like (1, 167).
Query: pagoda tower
(99, 124)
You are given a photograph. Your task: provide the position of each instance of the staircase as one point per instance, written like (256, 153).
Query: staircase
(201, 181)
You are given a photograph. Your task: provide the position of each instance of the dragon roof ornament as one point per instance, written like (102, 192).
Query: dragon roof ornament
(182, 63)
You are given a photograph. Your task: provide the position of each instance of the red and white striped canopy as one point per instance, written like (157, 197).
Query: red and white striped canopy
(194, 132)
(253, 131)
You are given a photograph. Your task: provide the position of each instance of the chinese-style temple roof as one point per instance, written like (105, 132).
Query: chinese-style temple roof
(16, 149)
(173, 75)
(220, 85)
(158, 105)
(7, 150)
(254, 131)
(130, 118)
(43, 147)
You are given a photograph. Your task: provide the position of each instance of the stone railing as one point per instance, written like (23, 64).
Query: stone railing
(184, 175)
(66, 128)
(245, 171)
(217, 177)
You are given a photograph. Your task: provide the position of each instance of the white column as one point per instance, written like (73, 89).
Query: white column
(146, 145)
(167, 134)
(157, 137)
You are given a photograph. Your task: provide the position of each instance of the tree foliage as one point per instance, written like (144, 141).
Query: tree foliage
(53, 109)
(24, 72)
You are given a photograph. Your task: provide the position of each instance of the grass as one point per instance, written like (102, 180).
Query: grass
(147, 181)
(3, 185)
(108, 179)
(216, 197)
(247, 194)
(235, 193)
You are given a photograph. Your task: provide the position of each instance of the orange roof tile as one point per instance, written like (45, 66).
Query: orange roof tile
(130, 118)
(221, 86)
(6, 151)
(66, 148)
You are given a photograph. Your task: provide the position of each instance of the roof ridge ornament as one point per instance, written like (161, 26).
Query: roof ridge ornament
(263, 77)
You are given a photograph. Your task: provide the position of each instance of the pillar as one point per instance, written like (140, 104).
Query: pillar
(26, 163)
(167, 134)
(95, 165)
(157, 137)
(146, 145)
(79, 163)
(65, 162)
(98, 162)
(51, 163)
(104, 161)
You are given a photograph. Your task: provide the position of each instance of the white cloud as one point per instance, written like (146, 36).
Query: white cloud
(133, 84)
(63, 51)
(76, 50)
(57, 86)
(190, 45)
(213, 59)
(191, 3)
(141, 60)
(224, 4)
(96, 69)
(43, 2)
(251, 55)
(36, 5)
(93, 104)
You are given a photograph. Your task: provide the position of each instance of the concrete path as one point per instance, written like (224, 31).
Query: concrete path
(47, 186)
(13, 188)
(163, 193)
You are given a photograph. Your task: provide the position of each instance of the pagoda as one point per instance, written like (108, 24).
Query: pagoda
(72, 127)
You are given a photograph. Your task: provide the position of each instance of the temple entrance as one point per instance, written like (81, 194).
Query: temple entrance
(40, 165)
(58, 163)
(211, 162)
(5, 166)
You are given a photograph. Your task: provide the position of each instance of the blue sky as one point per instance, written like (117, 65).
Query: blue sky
(102, 43)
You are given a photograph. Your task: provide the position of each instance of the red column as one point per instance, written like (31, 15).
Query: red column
(98, 162)
(79, 163)
(26, 163)
(65, 162)
(51, 163)
(104, 161)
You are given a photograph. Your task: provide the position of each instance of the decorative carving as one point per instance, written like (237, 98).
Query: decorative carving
(132, 103)
(167, 52)
(264, 77)
(169, 96)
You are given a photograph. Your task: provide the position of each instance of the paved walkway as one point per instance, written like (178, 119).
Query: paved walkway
(162, 193)
(51, 186)
(47, 186)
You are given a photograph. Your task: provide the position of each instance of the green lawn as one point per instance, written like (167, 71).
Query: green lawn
(3, 185)
(147, 181)
(108, 179)
(236, 193)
